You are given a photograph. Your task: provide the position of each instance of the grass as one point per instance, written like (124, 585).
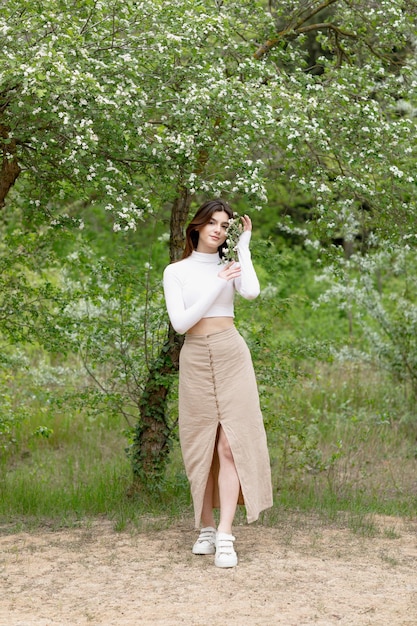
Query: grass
(350, 445)
(342, 442)
(64, 466)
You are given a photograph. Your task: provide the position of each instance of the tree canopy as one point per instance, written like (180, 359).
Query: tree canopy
(128, 102)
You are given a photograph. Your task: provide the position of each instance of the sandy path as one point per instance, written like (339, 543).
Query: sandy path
(300, 573)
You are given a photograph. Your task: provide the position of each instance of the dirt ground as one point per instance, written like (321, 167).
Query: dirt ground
(299, 573)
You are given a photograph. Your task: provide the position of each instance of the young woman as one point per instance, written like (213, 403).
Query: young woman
(222, 435)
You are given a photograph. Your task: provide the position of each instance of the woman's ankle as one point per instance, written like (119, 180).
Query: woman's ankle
(208, 523)
(227, 530)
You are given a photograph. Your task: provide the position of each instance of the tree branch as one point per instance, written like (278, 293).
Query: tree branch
(10, 168)
(329, 26)
(292, 31)
(315, 11)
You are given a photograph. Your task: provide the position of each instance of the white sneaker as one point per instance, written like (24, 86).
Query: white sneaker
(206, 542)
(225, 552)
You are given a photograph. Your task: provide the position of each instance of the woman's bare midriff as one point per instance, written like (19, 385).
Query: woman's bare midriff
(209, 325)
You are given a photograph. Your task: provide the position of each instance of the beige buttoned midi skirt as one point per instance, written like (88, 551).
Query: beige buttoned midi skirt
(217, 386)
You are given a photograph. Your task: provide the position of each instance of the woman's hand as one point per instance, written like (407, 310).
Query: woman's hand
(230, 271)
(247, 222)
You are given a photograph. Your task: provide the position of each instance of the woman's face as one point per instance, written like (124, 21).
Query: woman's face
(213, 234)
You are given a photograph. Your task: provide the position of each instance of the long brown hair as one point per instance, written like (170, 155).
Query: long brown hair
(201, 218)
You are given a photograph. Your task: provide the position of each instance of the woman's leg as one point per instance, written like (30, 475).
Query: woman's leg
(206, 542)
(207, 517)
(229, 484)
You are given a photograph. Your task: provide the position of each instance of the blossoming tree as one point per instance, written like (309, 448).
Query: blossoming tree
(135, 105)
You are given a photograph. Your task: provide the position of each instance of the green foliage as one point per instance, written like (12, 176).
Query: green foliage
(27, 390)
(109, 113)
(28, 293)
(115, 321)
(11, 415)
(380, 292)
(360, 451)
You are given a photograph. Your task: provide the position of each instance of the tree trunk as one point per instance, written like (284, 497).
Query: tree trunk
(152, 438)
(10, 168)
(179, 216)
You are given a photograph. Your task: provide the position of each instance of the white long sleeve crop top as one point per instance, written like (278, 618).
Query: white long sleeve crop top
(193, 289)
